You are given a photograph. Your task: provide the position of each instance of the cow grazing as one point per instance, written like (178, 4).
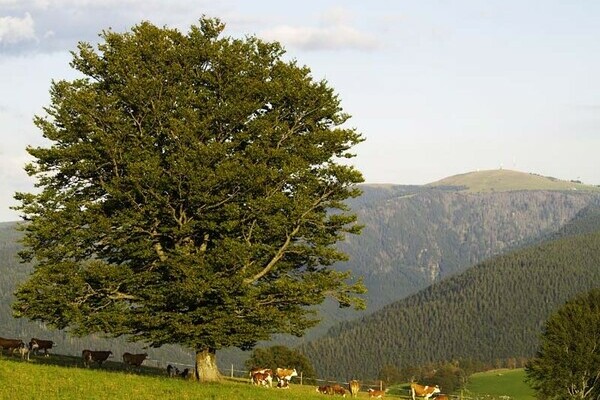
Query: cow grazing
(376, 394)
(90, 356)
(35, 345)
(337, 389)
(11, 344)
(354, 387)
(326, 389)
(172, 371)
(284, 376)
(134, 360)
(424, 391)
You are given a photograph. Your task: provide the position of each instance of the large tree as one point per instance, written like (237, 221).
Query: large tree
(567, 365)
(191, 192)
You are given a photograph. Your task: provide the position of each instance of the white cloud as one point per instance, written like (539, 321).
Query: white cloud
(15, 30)
(334, 32)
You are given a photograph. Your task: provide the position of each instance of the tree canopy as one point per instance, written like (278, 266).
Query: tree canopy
(567, 365)
(192, 192)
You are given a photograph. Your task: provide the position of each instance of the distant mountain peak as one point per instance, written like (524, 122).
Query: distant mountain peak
(504, 180)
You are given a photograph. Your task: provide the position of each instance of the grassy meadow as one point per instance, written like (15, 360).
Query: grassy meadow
(498, 383)
(64, 378)
(502, 180)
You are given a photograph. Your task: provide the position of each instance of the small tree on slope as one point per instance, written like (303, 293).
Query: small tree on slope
(190, 194)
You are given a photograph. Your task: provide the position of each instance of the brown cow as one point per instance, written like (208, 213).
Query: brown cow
(354, 387)
(262, 379)
(324, 389)
(337, 389)
(441, 397)
(35, 345)
(98, 356)
(135, 360)
(376, 394)
(261, 376)
(425, 391)
(11, 344)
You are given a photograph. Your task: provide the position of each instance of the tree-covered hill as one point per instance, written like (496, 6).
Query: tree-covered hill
(492, 311)
(415, 236)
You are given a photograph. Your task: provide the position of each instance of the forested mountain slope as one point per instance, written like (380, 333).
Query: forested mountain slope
(492, 311)
(415, 236)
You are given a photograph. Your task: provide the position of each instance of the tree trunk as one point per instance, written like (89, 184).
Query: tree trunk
(206, 366)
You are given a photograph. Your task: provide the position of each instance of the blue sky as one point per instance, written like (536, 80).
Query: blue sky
(436, 87)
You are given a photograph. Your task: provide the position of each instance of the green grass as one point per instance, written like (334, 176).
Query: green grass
(64, 378)
(498, 383)
(490, 385)
(502, 180)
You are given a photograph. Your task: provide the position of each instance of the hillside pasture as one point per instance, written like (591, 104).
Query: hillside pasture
(64, 378)
(499, 384)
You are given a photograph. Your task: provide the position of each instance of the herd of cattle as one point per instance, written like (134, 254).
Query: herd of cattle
(258, 376)
(34, 346)
(264, 377)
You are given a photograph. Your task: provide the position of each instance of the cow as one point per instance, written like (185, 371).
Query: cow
(11, 344)
(354, 387)
(337, 389)
(283, 384)
(425, 391)
(98, 356)
(326, 389)
(332, 390)
(35, 345)
(135, 360)
(172, 371)
(261, 376)
(24, 352)
(441, 397)
(376, 394)
(284, 376)
(186, 374)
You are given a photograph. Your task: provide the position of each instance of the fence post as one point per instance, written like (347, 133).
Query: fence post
(232, 370)
(301, 373)
(380, 385)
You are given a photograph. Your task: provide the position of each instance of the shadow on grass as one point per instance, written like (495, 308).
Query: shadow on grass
(76, 362)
